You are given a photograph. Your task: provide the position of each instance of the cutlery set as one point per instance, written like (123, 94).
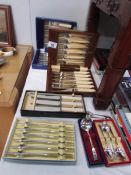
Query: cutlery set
(37, 103)
(69, 79)
(103, 142)
(41, 140)
(54, 141)
(70, 62)
(112, 146)
(80, 81)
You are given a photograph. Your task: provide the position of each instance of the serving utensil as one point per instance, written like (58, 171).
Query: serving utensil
(86, 125)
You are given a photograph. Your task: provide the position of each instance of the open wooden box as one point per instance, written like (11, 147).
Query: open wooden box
(70, 56)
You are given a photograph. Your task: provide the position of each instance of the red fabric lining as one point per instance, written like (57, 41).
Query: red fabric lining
(107, 163)
(88, 146)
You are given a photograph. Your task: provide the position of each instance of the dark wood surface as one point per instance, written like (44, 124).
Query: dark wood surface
(119, 57)
(121, 9)
(9, 27)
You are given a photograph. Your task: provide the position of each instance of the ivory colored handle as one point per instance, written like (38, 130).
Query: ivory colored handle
(83, 69)
(85, 86)
(75, 51)
(78, 40)
(69, 56)
(55, 68)
(86, 90)
(75, 46)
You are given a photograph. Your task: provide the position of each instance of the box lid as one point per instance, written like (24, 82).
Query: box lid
(76, 52)
(41, 26)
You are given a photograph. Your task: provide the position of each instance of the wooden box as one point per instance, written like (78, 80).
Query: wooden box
(70, 56)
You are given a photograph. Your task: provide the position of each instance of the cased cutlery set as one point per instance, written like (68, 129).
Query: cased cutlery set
(69, 80)
(69, 63)
(38, 140)
(38, 103)
(62, 80)
(103, 142)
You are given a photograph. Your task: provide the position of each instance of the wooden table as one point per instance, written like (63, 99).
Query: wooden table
(13, 75)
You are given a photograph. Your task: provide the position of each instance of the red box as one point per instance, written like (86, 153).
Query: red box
(117, 141)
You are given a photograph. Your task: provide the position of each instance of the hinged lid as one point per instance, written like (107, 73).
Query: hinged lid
(42, 29)
(40, 60)
(72, 47)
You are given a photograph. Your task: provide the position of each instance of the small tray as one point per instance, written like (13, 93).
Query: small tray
(40, 60)
(42, 141)
(39, 103)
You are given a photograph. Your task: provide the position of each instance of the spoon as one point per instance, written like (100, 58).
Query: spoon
(109, 149)
(117, 151)
(86, 125)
